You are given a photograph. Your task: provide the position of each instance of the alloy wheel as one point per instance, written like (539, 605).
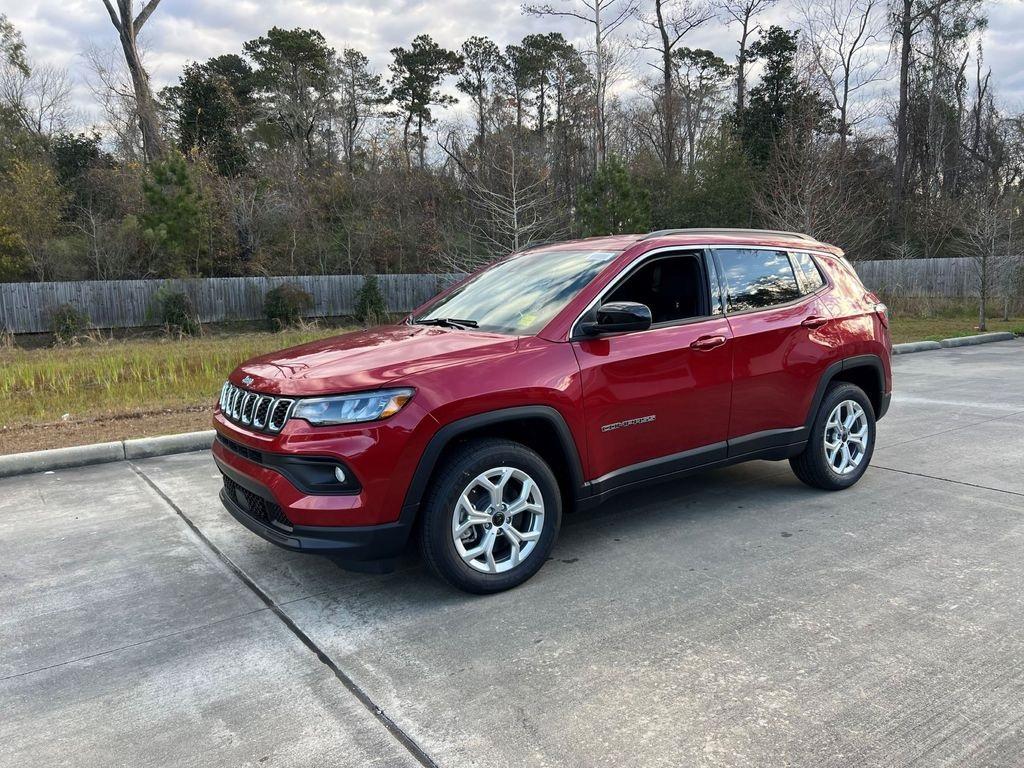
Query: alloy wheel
(846, 437)
(498, 519)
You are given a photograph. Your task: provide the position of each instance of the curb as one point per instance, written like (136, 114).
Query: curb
(914, 346)
(981, 338)
(959, 341)
(103, 453)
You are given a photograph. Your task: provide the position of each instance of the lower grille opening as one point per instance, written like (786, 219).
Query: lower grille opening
(264, 510)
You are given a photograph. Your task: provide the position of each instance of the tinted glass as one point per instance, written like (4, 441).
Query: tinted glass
(807, 272)
(755, 278)
(520, 295)
(673, 288)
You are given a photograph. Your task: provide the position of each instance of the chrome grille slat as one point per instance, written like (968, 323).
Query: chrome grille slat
(265, 413)
(261, 411)
(245, 412)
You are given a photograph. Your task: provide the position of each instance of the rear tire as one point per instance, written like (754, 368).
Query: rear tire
(491, 516)
(841, 442)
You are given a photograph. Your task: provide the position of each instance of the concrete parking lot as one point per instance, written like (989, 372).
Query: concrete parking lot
(735, 618)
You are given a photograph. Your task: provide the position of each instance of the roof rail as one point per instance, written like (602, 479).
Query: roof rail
(725, 231)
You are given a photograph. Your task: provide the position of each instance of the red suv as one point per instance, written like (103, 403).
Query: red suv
(549, 381)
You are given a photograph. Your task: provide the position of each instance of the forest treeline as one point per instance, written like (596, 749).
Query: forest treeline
(870, 124)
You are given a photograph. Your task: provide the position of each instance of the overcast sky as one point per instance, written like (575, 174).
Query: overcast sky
(57, 31)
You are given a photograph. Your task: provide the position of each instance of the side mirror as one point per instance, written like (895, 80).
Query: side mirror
(618, 316)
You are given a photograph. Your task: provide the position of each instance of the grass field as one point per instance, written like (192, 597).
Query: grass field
(906, 328)
(117, 389)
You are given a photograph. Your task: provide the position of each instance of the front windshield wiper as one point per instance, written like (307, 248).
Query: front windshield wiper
(447, 322)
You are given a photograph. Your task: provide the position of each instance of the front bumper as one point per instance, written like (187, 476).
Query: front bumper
(350, 545)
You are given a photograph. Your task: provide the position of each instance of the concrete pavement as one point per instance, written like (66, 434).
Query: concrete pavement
(735, 618)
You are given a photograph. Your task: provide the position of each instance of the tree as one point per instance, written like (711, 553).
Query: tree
(702, 80)
(31, 203)
(210, 112)
(605, 16)
(296, 77)
(817, 186)
(12, 46)
(908, 19)
(360, 95)
(841, 34)
(780, 104)
(669, 23)
(481, 63)
(512, 197)
(416, 77)
(35, 97)
(171, 219)
(128, 26)
(613, 203)
(743, 12)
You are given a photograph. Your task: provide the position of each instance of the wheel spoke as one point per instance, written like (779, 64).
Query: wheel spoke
(860, 437)
(492, 536)
(851, 418)
(845, 450)
(496, 489)
(485, 545)
(523, 503)
(513, 555)
(520, 537)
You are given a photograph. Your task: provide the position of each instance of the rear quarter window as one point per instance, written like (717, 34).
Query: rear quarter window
(807, 273)
(755, 278)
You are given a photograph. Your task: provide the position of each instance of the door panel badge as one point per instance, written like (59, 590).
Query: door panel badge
(628, 423)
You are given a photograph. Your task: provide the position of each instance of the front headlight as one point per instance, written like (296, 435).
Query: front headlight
(351, 409)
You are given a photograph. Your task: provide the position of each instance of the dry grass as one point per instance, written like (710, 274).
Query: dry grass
(107, 378)
(904, 328)
(106, 389)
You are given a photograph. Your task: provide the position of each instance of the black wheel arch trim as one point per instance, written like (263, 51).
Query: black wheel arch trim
(847, 363)
(447, 434)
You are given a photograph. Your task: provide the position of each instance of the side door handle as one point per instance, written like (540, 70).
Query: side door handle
(705, 343)
(813, 321)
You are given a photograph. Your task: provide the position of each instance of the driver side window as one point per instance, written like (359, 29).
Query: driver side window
(672, 286)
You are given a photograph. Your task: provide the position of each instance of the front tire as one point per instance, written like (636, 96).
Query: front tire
(491, 516)
(841, 442)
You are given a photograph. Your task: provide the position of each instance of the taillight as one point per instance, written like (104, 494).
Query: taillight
(878, 308)
(883, 313)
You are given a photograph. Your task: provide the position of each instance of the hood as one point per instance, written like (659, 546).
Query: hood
(367, 359)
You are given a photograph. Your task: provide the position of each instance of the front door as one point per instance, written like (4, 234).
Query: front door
(658, 400)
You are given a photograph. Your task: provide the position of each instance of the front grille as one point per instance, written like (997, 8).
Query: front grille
(264, 413)
(264, 510)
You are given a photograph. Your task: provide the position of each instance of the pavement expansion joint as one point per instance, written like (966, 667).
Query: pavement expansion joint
(390, 725)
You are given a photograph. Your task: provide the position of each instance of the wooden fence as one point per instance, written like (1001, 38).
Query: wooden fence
(26, 307)
(954, 278)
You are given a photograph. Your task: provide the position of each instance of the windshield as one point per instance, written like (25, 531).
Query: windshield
(519, 295)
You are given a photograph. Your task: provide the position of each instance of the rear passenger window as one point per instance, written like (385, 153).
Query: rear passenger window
(807, 273)
(754, 278)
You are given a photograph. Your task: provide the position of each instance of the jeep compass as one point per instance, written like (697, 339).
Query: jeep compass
(548, 381)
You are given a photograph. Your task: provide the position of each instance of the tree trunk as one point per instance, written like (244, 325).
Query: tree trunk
(902, 129)
(741, 66)
(599, 91)
(128, 30)
(668, 110)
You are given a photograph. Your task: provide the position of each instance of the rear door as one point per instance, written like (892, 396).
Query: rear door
(652, 395)
(782, 342)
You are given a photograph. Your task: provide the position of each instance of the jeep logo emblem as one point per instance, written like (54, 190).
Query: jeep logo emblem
(248, 380)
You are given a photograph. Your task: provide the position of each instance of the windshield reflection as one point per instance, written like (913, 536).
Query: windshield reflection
(521, 294)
